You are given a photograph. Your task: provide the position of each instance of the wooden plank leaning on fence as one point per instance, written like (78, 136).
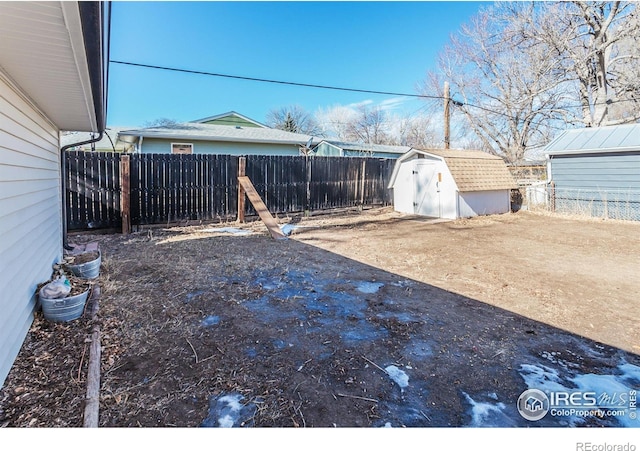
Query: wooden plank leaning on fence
(261, 208)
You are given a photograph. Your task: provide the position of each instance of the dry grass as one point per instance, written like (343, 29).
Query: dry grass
(160, 367)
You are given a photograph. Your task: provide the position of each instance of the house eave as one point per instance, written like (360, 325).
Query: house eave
(553, 153)
(52, 53)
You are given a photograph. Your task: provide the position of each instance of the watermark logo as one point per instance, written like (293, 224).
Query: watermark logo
(588, 446)
(533, 404)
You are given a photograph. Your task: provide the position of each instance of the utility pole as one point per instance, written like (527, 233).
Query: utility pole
(447, 114)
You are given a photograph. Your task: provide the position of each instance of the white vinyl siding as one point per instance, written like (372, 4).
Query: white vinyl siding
(475, 203)
(30, 214)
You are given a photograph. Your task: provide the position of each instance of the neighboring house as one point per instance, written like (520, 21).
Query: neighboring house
(113, 141)
(53, 70)
(212, 138)
(451, 184)
(232, 133)
(596, 171)
(331, 148)
(110, 141)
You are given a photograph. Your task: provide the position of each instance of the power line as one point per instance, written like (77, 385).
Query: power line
(339, 88)
(280, 82)
(305, 85)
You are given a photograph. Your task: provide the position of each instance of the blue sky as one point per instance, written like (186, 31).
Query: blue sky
(381, 46)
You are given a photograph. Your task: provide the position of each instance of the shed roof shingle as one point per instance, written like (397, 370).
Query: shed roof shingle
(474, 170)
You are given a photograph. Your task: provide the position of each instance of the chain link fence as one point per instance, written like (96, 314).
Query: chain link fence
(598, 203)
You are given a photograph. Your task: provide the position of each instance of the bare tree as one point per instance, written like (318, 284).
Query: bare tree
(358, 123)
(415, 131)
(369, 126)
(293, 119)
(596, 46)
(334, 121)
(523, 70)
(507, 91)
(161, 122)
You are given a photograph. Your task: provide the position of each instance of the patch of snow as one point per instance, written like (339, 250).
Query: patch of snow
(630, 372)
(227, 411)
(230, 407)
(402, 283)
(231, 230)
(369, 287)
(484, 414)
(287, 229)
(195, 294)
(541, 377)
(418, 349)
(212, 320)
(398, 376)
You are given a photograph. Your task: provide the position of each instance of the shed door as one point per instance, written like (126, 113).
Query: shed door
(426, 193)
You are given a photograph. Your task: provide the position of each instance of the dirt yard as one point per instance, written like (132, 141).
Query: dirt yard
(366, 319)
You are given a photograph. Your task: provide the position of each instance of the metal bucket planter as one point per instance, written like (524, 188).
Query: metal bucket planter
(64, 309)
(88, 270)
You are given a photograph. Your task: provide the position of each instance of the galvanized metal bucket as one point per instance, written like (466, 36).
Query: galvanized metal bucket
(65, 309)
(89, 270)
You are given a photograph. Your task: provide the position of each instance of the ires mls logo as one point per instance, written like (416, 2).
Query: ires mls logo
(574, 399)
(533, 404)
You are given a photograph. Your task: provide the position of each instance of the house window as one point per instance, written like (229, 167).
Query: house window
(182, 148)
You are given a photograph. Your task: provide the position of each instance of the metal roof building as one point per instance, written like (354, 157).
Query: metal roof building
(596, 171)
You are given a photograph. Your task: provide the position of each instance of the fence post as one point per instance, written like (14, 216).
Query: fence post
(125, 193)
(307, 204)
(364, 168)
(553, 195)
(242, 164)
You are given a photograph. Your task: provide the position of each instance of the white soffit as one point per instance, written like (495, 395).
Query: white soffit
(42, 51)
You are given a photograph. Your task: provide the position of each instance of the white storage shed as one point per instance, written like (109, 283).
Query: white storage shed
(451, 184)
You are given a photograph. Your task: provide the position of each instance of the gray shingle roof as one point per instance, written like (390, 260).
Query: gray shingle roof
(613, 138)
(210, 132)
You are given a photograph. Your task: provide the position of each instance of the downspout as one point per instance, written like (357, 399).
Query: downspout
(97, 51)
(63, 184)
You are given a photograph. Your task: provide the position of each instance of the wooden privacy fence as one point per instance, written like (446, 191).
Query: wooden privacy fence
(164, 188)
(92, 190)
